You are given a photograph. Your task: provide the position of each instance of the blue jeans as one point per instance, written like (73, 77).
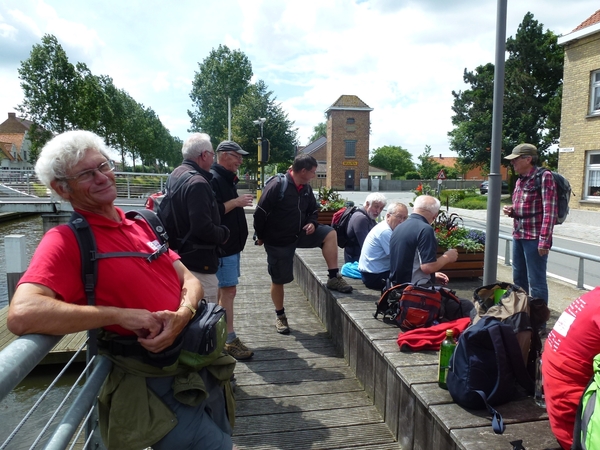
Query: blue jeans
(529, 268)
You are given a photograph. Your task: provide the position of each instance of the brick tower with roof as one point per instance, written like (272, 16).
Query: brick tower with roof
(348, 126)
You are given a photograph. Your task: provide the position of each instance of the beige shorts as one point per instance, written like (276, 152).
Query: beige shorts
(210, 283)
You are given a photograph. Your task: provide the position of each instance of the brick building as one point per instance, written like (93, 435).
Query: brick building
(476, 173)
(579, 152)
(347, 153)
(14, 143)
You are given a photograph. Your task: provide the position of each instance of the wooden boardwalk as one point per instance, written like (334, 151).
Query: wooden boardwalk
(296, 392)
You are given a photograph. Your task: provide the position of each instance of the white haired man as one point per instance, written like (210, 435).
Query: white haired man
(145, 304)
(197, 214)
(361, 222)
(413, 247)
(374, 262)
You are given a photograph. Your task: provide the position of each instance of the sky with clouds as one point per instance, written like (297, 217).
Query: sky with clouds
(401, 57)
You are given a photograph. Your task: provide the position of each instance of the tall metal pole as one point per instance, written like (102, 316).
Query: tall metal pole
(490, 268)
(228, 118)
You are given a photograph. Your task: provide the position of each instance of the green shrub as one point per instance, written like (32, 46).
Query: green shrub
(479, 202)
(412, 176)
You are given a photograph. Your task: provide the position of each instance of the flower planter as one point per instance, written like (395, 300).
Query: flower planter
(325, 217)
(468, 265)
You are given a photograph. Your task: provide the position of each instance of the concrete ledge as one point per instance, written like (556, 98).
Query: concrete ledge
(403, 386)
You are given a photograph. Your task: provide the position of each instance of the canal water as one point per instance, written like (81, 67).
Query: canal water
(15, 406)
(31, 227)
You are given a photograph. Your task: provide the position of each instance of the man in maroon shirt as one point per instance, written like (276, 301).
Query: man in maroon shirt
(534, 210)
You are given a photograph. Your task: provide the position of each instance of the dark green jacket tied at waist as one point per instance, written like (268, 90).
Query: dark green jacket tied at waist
(132, 416)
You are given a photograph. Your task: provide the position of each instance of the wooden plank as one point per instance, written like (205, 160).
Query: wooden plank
(293, 420)
(368, 436)
(268, 406)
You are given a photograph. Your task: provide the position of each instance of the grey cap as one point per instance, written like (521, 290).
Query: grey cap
(522, 150)
(230, 146)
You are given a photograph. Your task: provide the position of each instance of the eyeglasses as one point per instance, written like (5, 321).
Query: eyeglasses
(236, 155)
(88, 175)
(210, 153)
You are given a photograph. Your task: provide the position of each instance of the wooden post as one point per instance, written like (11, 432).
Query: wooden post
(15, 255)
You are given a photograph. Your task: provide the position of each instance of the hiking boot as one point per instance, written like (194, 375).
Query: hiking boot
(339, 284)
(282, 325)
(238, 350)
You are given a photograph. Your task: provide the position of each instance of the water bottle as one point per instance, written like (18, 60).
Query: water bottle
(539, 398)
(446, 351)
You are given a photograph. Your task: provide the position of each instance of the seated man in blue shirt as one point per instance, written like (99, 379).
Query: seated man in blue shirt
(413, 247)
(374, 262)
(362, 221)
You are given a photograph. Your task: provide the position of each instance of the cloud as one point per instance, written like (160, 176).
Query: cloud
(402, 58)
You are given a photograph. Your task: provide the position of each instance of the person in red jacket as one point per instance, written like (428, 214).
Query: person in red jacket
(567, 362)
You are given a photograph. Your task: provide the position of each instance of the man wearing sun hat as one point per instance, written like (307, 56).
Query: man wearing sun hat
(534, 211)
(231, 209)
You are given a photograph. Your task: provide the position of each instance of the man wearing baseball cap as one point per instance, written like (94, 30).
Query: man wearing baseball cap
(231, 209)
(534, 210)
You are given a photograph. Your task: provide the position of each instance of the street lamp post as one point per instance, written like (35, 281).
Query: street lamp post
(261, 175)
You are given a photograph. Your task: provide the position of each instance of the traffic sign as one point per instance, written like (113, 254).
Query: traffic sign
(441, 175)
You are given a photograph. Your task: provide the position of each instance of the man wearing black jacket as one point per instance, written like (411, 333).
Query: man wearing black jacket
(289, 221)
(231, 209)
(199, 222)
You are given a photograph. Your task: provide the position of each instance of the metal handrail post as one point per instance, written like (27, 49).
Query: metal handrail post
(80, 407)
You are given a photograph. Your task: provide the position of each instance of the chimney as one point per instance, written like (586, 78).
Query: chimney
(12, 115)
(441, 157)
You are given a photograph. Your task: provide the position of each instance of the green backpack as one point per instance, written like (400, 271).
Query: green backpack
(586, 434)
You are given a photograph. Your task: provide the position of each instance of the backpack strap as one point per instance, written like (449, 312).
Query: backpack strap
(87, 249)
(283, 184)
(497, 420)
(516, 359)
(89, 253)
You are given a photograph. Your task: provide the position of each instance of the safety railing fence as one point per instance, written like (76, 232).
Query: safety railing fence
(15, 183)
(582, 257)
(77, 428)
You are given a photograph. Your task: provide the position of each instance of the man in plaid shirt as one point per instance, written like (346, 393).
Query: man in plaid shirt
(534, 210)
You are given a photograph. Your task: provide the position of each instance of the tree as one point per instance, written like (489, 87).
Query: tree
(320, 130)
(50, 86)
(534, 77)
(472, 136)
(395, 159)
(278, 129)
(428, 167)
(532, 98)
(223, 74)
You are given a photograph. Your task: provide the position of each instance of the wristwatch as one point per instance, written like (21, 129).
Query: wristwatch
(190, 307)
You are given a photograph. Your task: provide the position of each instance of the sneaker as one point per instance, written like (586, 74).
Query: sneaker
(339, 284)
(282, 325)
(238, 350)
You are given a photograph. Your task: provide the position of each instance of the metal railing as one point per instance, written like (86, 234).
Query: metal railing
(19, 358)
(582, 257)
(15, 183)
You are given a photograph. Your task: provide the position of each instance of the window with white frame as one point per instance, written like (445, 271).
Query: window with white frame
(350, 151)
(595, 93)
(592, 170)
